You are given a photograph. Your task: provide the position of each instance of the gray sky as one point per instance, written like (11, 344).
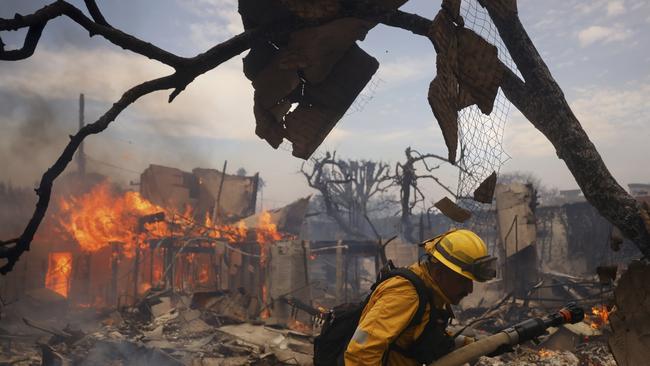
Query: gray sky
(597, 51)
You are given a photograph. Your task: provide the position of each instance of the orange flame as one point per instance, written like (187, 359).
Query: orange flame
(545, 353)
(106, 215)
(599, 316)
(59, 269)
(204, 276)
(266, 233)
(265, 313)
(157, 272)
(144, 287)
(235, 233)
(299, 326)
(102, 216)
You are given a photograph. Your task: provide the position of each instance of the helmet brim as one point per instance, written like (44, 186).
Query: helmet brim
(453, 267)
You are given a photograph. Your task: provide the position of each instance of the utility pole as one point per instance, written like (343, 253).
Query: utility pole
(339, 272)
(81, 157)
(216, 213)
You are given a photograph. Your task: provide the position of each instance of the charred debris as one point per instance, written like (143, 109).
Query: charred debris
(185, 272)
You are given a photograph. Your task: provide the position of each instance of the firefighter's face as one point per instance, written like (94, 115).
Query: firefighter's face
(453, 285)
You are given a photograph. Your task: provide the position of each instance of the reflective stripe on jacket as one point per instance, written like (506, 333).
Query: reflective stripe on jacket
(389, 311)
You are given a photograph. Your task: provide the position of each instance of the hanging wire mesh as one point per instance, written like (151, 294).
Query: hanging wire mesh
(480, 135)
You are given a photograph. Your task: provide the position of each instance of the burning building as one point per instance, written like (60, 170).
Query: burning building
(105, 246)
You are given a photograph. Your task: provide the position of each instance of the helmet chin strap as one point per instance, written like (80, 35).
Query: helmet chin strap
(429, 258)
(429, 268)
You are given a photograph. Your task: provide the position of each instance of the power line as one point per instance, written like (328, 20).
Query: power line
(112, 165)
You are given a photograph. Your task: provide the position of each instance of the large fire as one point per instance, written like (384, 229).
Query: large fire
(102, 216)
(105, 215)
(59, 269)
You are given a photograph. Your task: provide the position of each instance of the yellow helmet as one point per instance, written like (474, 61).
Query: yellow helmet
(463, 252)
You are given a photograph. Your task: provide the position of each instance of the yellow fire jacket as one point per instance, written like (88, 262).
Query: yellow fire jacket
(389, 311)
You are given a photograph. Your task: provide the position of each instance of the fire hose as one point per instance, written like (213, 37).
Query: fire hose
(522, 332)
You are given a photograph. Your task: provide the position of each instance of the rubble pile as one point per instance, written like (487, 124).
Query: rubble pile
(163, 329)
(592, 354)
(581, 344)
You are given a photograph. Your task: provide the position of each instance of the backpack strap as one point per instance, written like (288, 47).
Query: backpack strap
(424, 297)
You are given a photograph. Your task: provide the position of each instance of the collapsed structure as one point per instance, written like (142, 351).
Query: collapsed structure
(190, 284)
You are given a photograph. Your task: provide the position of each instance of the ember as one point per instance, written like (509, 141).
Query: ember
(545, 353)
(204, 276)
(599, 316)
(266, 313)
(299, 326)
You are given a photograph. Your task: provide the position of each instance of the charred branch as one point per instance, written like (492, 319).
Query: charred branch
(95, 13)
(41, 17)
(44, 189)
(31, 40)
(186, 71)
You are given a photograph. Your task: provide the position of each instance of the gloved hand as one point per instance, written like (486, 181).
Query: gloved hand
(462, 340)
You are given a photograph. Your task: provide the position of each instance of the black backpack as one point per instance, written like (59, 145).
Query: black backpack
(341, 322)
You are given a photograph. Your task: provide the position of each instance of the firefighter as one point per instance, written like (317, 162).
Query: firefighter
(386, 335)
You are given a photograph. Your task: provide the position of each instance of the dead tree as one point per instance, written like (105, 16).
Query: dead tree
(302, 87)
(347, 187)
(406, 178)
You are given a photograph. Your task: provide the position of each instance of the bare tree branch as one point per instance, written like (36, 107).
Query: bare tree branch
(96, 14)
(44, 189)
(437, 180)
(8, 242)
(31, 40)
(37, 21)
(177, 81)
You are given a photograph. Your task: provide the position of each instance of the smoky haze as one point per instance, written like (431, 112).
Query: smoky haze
(33, 133)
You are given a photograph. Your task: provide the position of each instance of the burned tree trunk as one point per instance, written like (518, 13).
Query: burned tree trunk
(543, 103)
(406, 178)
